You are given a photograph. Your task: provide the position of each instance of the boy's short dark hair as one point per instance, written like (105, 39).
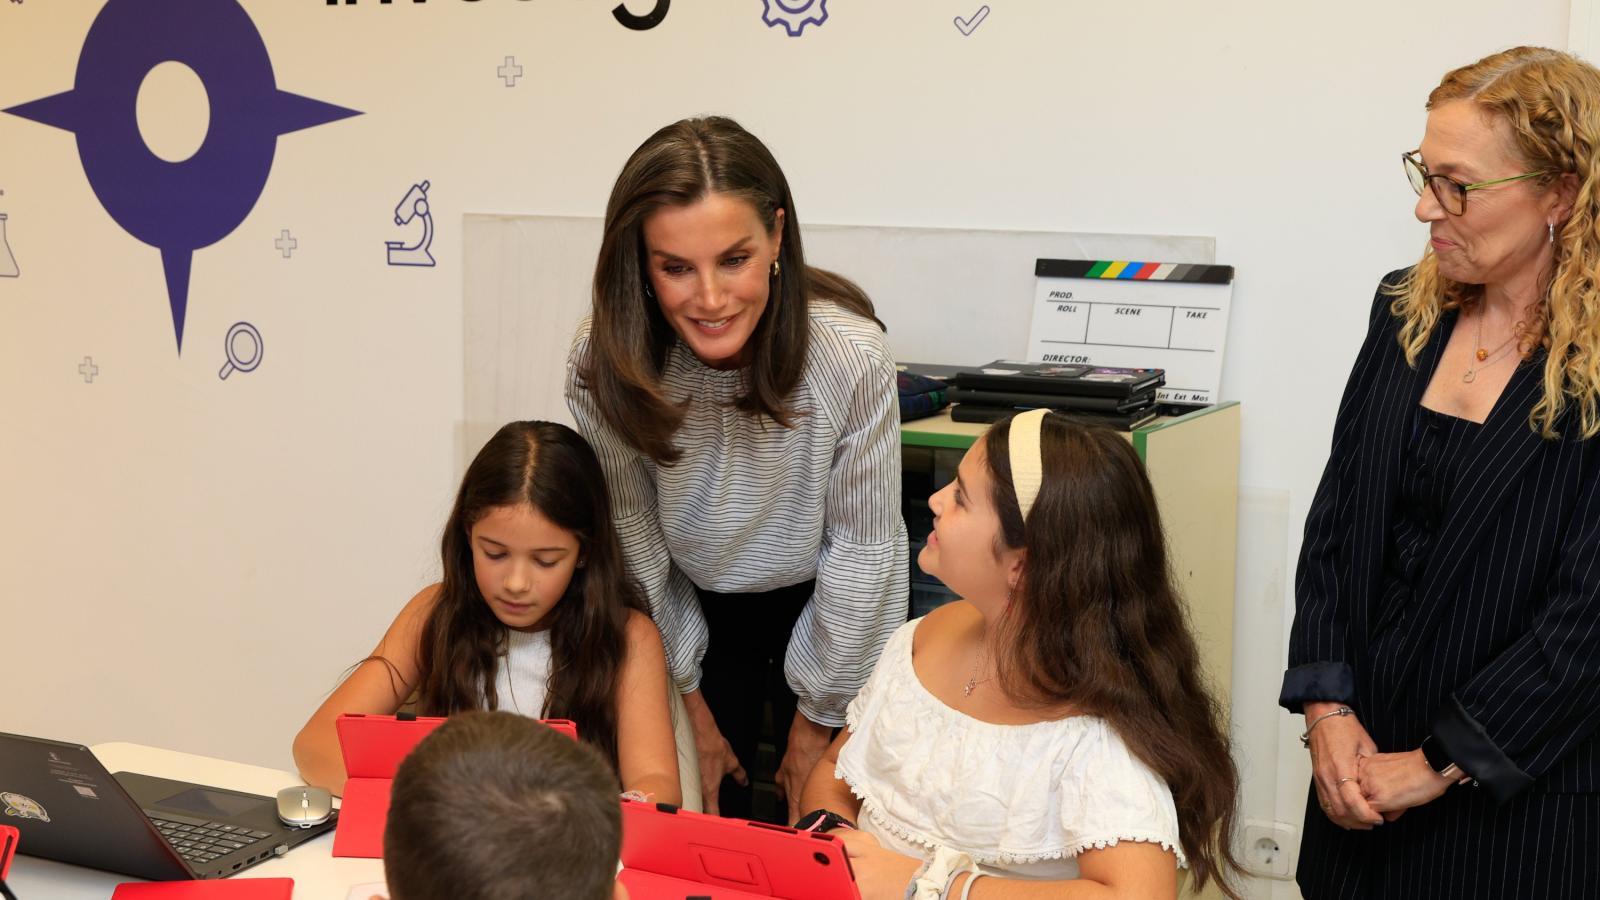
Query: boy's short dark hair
(494, 805)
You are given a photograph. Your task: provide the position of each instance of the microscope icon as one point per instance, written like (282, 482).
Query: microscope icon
(8, 260)
(413, 205)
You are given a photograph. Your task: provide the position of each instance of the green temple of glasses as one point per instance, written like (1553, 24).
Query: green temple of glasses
(1420, 176)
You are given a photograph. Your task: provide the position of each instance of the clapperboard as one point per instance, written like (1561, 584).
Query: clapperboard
(1171, 316)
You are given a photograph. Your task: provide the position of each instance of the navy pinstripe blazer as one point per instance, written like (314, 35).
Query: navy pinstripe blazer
(1498, 657)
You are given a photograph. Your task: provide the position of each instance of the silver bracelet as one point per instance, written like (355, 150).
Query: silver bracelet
(1305, 739)
(967, 888)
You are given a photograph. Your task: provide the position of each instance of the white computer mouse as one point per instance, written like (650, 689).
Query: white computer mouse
(303, 806)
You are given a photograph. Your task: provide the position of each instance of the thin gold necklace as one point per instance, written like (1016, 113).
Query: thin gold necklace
(1483, 356)
(974, 681)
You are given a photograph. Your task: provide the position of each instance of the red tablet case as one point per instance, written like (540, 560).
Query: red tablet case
(373, 747)
(224, 889)
(670, 854)
(8, 849)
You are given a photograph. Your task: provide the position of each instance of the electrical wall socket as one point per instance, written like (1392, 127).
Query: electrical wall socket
(1269, 848)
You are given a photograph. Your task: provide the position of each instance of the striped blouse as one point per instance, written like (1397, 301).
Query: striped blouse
(752, 506)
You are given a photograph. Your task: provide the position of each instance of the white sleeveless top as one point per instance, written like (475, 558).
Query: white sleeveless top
(1022, 800)
(522, 679)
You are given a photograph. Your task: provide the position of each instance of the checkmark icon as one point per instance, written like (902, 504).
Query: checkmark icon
(967, 26)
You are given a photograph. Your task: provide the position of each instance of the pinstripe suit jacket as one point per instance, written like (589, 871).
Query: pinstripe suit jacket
(1498, 656)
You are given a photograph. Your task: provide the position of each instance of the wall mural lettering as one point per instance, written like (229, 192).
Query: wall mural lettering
(286, 243)
(645, 22)
(88, 370)
(620, 12)
(184, 206)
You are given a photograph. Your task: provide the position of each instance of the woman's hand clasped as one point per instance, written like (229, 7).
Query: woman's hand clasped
(1396, 782)
(1338, 744)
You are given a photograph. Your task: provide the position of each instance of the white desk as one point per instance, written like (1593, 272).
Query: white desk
(317, 874)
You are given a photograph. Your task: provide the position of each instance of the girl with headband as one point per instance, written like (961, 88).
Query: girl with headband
(1052, 725)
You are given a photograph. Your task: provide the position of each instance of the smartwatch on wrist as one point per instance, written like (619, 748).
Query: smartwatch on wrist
(823, 820)
(1438, 760)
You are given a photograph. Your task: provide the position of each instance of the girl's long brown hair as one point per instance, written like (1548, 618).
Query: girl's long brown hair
(551, 468)
(1096, 623)
(1551, 101)
(629, 339)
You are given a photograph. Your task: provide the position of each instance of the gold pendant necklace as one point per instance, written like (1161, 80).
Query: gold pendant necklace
(974, 681)
(1484, 360)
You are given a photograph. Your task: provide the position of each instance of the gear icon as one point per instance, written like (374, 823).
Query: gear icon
(794, 15)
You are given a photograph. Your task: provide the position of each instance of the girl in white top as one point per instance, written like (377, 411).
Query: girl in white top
(1028, 741)
(535, 614)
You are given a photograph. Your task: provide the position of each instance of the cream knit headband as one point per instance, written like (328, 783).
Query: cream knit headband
(1027, 461)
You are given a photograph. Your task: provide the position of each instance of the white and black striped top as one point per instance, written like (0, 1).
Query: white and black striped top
(753, 506)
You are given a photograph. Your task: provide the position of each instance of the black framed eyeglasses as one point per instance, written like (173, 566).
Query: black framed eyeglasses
(1451, 194)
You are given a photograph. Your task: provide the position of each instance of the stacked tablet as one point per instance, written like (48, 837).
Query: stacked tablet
(1116, 397)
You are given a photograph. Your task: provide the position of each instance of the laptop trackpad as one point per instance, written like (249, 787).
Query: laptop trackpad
(180, 798)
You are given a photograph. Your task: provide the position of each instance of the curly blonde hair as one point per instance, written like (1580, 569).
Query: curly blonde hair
(1551, 100)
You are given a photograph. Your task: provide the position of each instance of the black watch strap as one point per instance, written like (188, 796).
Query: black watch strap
(823, 820)
(1434, 753)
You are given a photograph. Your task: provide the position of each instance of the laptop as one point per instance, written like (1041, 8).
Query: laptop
(673, 854)
(1060, 378)
(70, 809)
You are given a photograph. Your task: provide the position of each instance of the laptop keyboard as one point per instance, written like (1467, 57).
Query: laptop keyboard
(204, 843)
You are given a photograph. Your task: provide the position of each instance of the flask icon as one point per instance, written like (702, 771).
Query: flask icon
(8, 262)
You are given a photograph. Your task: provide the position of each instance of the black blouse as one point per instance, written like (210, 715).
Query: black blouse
(1429, 474)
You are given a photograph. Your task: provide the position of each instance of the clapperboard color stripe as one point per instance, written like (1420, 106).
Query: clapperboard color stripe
(1132, 270)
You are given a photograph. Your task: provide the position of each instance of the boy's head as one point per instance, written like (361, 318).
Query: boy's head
(494, 805)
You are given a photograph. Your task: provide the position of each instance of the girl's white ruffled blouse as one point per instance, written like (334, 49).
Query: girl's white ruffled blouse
(1022, 800)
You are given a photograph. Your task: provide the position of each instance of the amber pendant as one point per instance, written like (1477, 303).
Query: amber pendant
(1482, 354)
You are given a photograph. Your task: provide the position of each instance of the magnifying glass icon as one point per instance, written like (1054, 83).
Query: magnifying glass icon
(235, 361)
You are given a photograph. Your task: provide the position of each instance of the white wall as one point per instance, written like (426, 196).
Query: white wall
(191, 562)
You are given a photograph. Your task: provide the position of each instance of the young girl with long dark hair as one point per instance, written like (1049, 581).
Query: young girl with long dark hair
(536, 614)
(1049, 735)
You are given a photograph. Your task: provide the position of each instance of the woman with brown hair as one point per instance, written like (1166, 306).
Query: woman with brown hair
(1049, 734)
(1446, 642)
(744, 407)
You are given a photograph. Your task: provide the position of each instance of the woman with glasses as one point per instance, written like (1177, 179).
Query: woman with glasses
(1446, 643)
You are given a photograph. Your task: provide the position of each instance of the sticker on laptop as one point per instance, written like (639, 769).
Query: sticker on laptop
(23, 807)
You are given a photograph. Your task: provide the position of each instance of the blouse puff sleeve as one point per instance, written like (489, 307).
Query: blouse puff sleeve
(1319, 668)
(862, 586)
(674, 605)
